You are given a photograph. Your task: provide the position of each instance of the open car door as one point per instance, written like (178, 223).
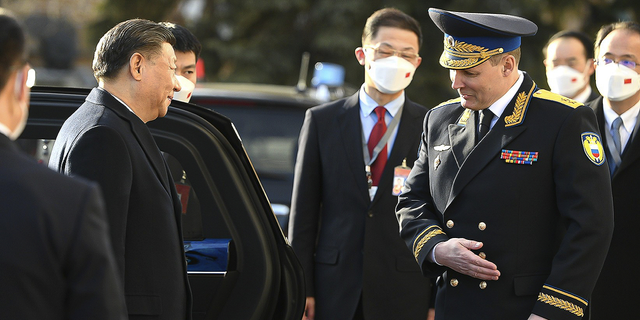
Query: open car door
(240, 264)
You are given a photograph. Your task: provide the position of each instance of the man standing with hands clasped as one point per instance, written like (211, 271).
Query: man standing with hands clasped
(343, 227)
(617, 65)
(508, 203)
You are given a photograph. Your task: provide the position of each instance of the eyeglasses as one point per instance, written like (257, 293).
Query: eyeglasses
(384, 51)
(627, 63)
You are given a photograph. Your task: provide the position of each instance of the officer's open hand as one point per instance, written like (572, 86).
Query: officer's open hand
(456, 254)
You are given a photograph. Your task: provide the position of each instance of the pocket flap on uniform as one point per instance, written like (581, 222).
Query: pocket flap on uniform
(143, 305)
(529, 285)
(327, 255)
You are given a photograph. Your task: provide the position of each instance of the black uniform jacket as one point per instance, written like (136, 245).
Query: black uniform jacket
(55, 257)
(104, 142)
(534, 190)
(611, 298)
(349, 245)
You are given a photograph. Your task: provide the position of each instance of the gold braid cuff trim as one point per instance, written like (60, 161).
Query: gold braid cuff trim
(562, 304)
(424, 240)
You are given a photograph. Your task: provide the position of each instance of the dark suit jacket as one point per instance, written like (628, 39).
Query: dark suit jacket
(349, 245)
(611, 299)
(546, 225)
(55, 258)
(104, 142)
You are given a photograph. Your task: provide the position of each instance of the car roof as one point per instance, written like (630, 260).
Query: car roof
(254, 93)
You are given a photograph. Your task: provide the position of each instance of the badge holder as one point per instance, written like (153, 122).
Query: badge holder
(400, 174)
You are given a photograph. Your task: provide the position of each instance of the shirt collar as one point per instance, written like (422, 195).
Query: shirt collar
(498, 107)
(628, 118)
(367, 104)
(124, 104)
(584, 96)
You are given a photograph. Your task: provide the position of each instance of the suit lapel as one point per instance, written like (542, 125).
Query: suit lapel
(506, 129)
(351, 136)
(140, 132)
(631, 151)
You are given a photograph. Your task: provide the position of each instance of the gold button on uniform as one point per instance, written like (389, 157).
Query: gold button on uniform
(483, 285)
(482, 255)
(482, 226)
(454, 282)
(450, 224)
(370, 214)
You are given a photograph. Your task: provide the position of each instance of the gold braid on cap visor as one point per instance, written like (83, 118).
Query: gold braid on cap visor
(471, 55)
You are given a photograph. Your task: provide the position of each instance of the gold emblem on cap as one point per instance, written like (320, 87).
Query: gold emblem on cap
(471, 55)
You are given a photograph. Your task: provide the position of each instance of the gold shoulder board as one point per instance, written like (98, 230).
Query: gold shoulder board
(548, 95)
(449, 102)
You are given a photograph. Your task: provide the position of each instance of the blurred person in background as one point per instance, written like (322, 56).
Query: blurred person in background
(617, 49)
(569, 64)
(55, 256)
(343, 228)
(187, 49)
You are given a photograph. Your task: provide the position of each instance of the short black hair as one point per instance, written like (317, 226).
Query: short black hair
(128, 37)
(584, 39)
(185, 40)
(12, 45)
(606, 29)
(390, 17)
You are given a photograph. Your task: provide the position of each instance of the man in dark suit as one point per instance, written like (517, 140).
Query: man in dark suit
(55, 257)
(618, 53)
(508, 202)
(568, 58)
(342, 226)
(106, 141)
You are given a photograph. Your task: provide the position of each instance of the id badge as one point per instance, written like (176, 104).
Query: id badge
(400, 174)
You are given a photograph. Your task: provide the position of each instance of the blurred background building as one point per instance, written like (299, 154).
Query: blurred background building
(264, 41)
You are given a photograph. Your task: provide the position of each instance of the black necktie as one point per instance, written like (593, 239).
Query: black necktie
(484, 123)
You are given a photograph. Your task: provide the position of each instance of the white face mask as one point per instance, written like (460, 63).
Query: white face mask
(392, 74)
(566, 81)
(616, 82)
(187, 87)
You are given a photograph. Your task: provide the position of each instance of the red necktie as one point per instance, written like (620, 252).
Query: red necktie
(376, 134)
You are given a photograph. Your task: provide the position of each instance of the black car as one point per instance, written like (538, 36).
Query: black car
(268, 119)
(240, 264)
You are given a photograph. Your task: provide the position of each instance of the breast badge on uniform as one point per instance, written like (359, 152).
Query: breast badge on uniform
(592, 146)
(519, 157)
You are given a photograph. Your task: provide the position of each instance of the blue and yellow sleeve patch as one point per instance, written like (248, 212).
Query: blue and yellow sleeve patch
(548, 95)
(592, 146)
(564, 300)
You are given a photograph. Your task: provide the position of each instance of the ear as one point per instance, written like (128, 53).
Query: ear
(360, 55)
(136, 66)
(591, 67)
(508, 65)
(21, 90)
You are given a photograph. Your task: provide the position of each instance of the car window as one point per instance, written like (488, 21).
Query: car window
(269, 134)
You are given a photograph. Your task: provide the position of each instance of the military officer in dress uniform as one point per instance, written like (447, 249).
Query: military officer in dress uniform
(509, 202)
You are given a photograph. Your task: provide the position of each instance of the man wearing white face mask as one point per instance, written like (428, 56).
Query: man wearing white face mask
(351, 151)
(617, 49)
(569, 65)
